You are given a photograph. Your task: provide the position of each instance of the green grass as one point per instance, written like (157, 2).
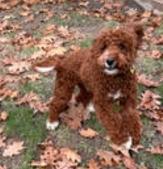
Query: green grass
(86, 43)
(25, 52)
(159, 30)
(152, 161)
(42, 87)
(74, 19)
(23, 124)
(95, 124)
(112, 24)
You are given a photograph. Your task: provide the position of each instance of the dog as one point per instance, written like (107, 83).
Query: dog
(105, 76)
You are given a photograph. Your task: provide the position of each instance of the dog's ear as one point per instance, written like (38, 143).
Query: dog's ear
(100, 42)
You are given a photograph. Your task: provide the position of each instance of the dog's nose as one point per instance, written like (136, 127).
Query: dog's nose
(110, 61)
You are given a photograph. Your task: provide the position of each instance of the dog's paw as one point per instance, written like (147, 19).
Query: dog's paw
(44, 69)
(127, 145)
(52, 125)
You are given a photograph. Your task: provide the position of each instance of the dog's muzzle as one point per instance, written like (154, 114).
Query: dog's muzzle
(111, 67)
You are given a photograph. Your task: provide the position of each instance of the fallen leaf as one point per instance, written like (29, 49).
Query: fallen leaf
(6, 92)
(3, 116)
(93, 165)
(129, 163)
(18, 68)
(159, 126)
(88, 133)
(156, 150)
(56, 51)
(13, 149)
(150, 100)
(156, 54)
(70, 155)
(34, 102)
(120, 149)
(108, 157)
(74, 117)
(142, 79)
(32, 77)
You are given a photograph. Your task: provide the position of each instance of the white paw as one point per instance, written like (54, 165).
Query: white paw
(44, 69)
(52, 126)
(128, 144)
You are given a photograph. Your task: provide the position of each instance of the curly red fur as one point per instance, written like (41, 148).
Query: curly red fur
(85, 69)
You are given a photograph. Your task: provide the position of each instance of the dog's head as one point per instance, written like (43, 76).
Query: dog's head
(115, 50)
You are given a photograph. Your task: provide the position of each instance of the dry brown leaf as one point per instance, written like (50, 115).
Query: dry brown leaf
(156, 54)
(142, 79)
(63, 158)
(159, 41)
(88, 133)
(108, 158)
(18, 68)
(156, 150)
(5, 92)
(32, 77)
(70, 155)
(3, 116)
(150, 100)
(129, 163)
(13, 149)
(93, 165)
(74, 117)
(159, 126)
(64, 32)
(34, 102)
(120, 149)
(38, 164)
(56, 51)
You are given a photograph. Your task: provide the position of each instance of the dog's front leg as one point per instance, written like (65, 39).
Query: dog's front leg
(131, 117)
(113, 122)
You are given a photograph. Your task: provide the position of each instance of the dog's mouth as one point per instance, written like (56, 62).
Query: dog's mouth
(111, 69)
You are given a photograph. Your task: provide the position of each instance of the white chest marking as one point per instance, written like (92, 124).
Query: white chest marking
(115, 95)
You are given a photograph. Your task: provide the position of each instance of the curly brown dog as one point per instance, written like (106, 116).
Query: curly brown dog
(104, 74)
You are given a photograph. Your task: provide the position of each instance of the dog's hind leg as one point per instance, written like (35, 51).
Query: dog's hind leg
(63, 90)
(84, 96)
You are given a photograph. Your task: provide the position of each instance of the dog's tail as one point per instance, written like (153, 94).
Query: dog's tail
(48, 64)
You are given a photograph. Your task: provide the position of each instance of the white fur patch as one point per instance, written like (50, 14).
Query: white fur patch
(52, 126)
(111, 72)
(128, 144)
(90, 108)
(44, 69)
(116, 95)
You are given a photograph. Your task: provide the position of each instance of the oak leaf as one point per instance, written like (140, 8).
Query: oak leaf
(3, 116)
(110, 159)
(150, 100)
(93, 165)
(74, 116)
(13, 149)
(156, 150)
(159, 126)
(142, 79)
(88, 133)
(70, 155)
(129, 163)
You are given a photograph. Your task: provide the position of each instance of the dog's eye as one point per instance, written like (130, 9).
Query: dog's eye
(103, 47)
(122, 46)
